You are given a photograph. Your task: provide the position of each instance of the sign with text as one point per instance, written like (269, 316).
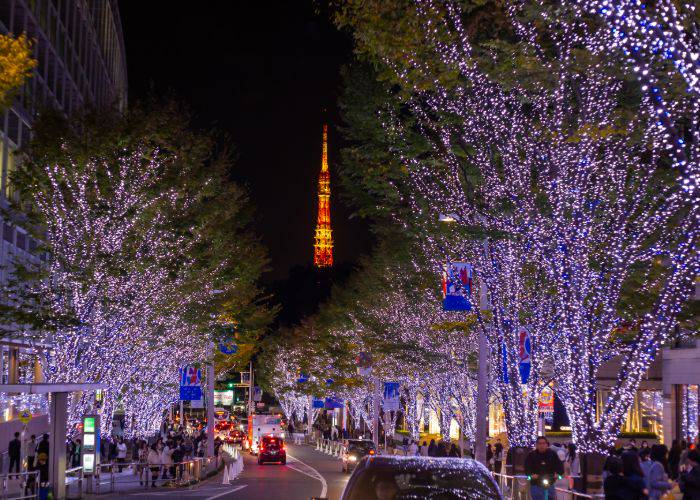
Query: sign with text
(457, 286)
(392, 398)
(190, 383)
(224, 398)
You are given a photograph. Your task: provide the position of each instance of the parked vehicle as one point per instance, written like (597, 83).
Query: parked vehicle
(263, 425)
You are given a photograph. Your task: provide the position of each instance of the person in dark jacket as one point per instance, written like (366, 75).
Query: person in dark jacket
(441, 450)
(543, 468)
(674, 458)
(614, 484)
(454, 451)
(43, 446)
(14, 451)
(432, 449)
(634, 487)
(690, 480)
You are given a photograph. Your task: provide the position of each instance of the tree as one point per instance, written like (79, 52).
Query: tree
(16, 65)
(148, 245)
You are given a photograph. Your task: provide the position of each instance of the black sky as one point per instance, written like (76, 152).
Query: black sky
(262, 72)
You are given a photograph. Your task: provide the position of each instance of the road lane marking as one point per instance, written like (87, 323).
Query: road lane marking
(232, 490)
(317, 476)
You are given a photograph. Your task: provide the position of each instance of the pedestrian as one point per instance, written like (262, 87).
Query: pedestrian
(454, 452)
(166, 457)
(572, 460)
(413, 449)
(30, 452)
(14, 452)
(432, 449)
(404, 445)
(674, 458)
(644, 445)
(652, 464)
(632, 445)
(142, 460)
(614, 483)
(441, 449)
(154, 463)
(489, 456)
(425, 449)
(543, 467)
(177, 456)
(77, 450)
(690, 479)
(634, 487)
(121, 453)
(497, 457)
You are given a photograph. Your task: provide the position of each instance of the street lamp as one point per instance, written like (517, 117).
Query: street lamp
(482, 398)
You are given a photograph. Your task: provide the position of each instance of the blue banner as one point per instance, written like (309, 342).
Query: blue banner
(190, 392)
(333, 402)
(457, 286)
(318, 403)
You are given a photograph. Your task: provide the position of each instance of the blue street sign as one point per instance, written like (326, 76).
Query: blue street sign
(190, 392)
(318, 403)
(332, 403)
(228, 348)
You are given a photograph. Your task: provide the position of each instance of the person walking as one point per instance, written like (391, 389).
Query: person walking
(634, 486)
(690, 479)
(121, 453)
(543, 467)
(30, 452)
(77, 450)
(154, 463)
(489, 456)
(432, 449)
(674, 458)
(441, 449)
(614, 483)
(652, 464)
(454, 452)
(413, 449)
(572, 460)
(497, 457)
(142, 459)
(424, 449)
(14, 452)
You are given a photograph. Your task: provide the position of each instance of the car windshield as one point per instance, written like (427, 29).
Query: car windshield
(428, 482)
(360, 447)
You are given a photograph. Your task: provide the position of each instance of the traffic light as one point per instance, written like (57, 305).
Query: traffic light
(230, 385)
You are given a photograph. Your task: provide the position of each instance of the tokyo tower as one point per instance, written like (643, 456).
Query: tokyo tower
(323, 246)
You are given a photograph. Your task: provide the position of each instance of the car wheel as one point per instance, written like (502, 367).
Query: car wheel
(284, 461)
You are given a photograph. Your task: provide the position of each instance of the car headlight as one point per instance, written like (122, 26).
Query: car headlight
(352, 458)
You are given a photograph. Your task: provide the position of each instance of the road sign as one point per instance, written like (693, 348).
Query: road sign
(25, 416)
(257, 393)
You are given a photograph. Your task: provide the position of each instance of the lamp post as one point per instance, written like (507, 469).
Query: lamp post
(482, 397)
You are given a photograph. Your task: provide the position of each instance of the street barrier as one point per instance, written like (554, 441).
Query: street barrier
(20, 485)
(518, 488)
(74, 481)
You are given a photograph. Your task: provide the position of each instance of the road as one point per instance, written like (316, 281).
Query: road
(308, 474)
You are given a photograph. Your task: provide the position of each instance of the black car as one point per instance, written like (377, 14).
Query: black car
(353, 451)
(398, 478)
(271, 450)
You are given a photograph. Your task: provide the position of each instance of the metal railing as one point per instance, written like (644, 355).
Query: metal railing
(20, 485)
(518, 488)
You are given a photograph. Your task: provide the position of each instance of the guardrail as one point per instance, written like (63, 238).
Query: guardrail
(518, 488)
(20, 485)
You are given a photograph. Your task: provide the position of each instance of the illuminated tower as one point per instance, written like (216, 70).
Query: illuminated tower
(323, 247)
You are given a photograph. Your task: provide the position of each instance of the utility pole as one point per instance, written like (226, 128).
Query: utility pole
(375, 420)
(482, 396)
(210, 401)
(250, 391)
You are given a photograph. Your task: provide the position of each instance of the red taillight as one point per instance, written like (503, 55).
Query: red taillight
(371, 452)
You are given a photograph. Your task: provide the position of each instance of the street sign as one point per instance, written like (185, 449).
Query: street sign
(318, 403)
(245, 379)
(228, 347)
(91, 443)
(257, 393)
(333, 402)
(457, 286)
(25, 416)
(224, 398)
(392, 400)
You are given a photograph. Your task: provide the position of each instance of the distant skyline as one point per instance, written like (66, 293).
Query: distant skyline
(263, 74)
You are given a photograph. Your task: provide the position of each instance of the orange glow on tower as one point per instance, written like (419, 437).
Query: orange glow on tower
(323, 246)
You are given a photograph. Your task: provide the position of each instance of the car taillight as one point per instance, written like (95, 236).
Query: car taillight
(371, 452)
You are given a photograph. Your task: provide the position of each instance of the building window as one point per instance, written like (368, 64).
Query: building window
(7, 233)
(21, 241)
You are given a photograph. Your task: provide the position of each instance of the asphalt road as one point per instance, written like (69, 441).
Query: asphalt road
(308, 474)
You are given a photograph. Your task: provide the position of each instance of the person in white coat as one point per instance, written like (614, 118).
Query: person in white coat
(154, 463)
(166, 458)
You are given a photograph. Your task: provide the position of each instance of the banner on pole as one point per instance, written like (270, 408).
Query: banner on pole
(318, 403)
(524, 351)
(392, 399)
(190, 383)
(457, 286)
(333, 402)
(546, 402)
(257, 394)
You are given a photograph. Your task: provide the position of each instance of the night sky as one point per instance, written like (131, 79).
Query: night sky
(262, 72)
